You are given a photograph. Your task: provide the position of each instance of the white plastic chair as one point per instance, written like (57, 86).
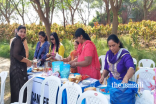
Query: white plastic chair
(134, 61)
(28, 85)
(3, 76)
(102, 57)
(54, 84)
(73, 91)
(93, 97)
(147, 63)
(144, 73)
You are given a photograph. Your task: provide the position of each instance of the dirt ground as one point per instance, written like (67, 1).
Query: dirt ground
(4, 66)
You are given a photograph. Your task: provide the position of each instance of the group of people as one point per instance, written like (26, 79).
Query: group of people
(83, 59)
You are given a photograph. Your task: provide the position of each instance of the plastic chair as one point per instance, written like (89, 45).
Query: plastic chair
(54, 84)
(73, 91)
(135, 61)
(93, 97)
(102, 57)
(144, 73)
(147, 63)
(3, 76)
(28, 85)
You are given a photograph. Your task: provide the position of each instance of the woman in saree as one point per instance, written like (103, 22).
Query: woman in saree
(72, 56)
(18, 66)
(118, 61)
(87, 62)
(56, 48)
(42, 48)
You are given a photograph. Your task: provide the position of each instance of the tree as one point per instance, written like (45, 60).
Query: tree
(17, 4)
(84, 11)
(99, 17)
(99, 5)
(48, 6)
(62, 6)
(72, 6)
(107, 10)
(146, 7)
(115, 6)
(6, 9)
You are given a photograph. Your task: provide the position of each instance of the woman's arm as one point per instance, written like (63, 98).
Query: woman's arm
(129, 64)
(68, 59)
(86, 62)
(73, 61)
(26, 48)
(104, 75)
(128, 75)
(16, 53)
(27, 61)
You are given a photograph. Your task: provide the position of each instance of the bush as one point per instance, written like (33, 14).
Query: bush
(145, 30)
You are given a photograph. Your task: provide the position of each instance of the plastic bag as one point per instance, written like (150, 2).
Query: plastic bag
(122, 93)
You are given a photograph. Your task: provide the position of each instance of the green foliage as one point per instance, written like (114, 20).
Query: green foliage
(145, 30)
(68, 45)
(4, 50)
(100, 43)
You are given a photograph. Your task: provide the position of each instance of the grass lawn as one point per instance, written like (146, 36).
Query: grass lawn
(101, 45)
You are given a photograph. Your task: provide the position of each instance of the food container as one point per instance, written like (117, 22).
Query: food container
(90, 88)
(34, 64)
(72, 79)
(58, 57)
(65, 71)
(57, 65)
(47, 66)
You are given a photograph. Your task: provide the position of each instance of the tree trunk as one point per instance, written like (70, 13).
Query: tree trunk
(108, 17)
(23, 20)
(64, 20)
(145, 14)
(108, 12)
(7, 19)
(72, 19)
(115, 24)
(48, 29)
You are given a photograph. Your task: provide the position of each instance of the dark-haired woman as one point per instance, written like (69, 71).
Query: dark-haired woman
(87, 62)
(18, 66)
(42, 48)
(118, 61)
(24, 43)
(56, 48)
